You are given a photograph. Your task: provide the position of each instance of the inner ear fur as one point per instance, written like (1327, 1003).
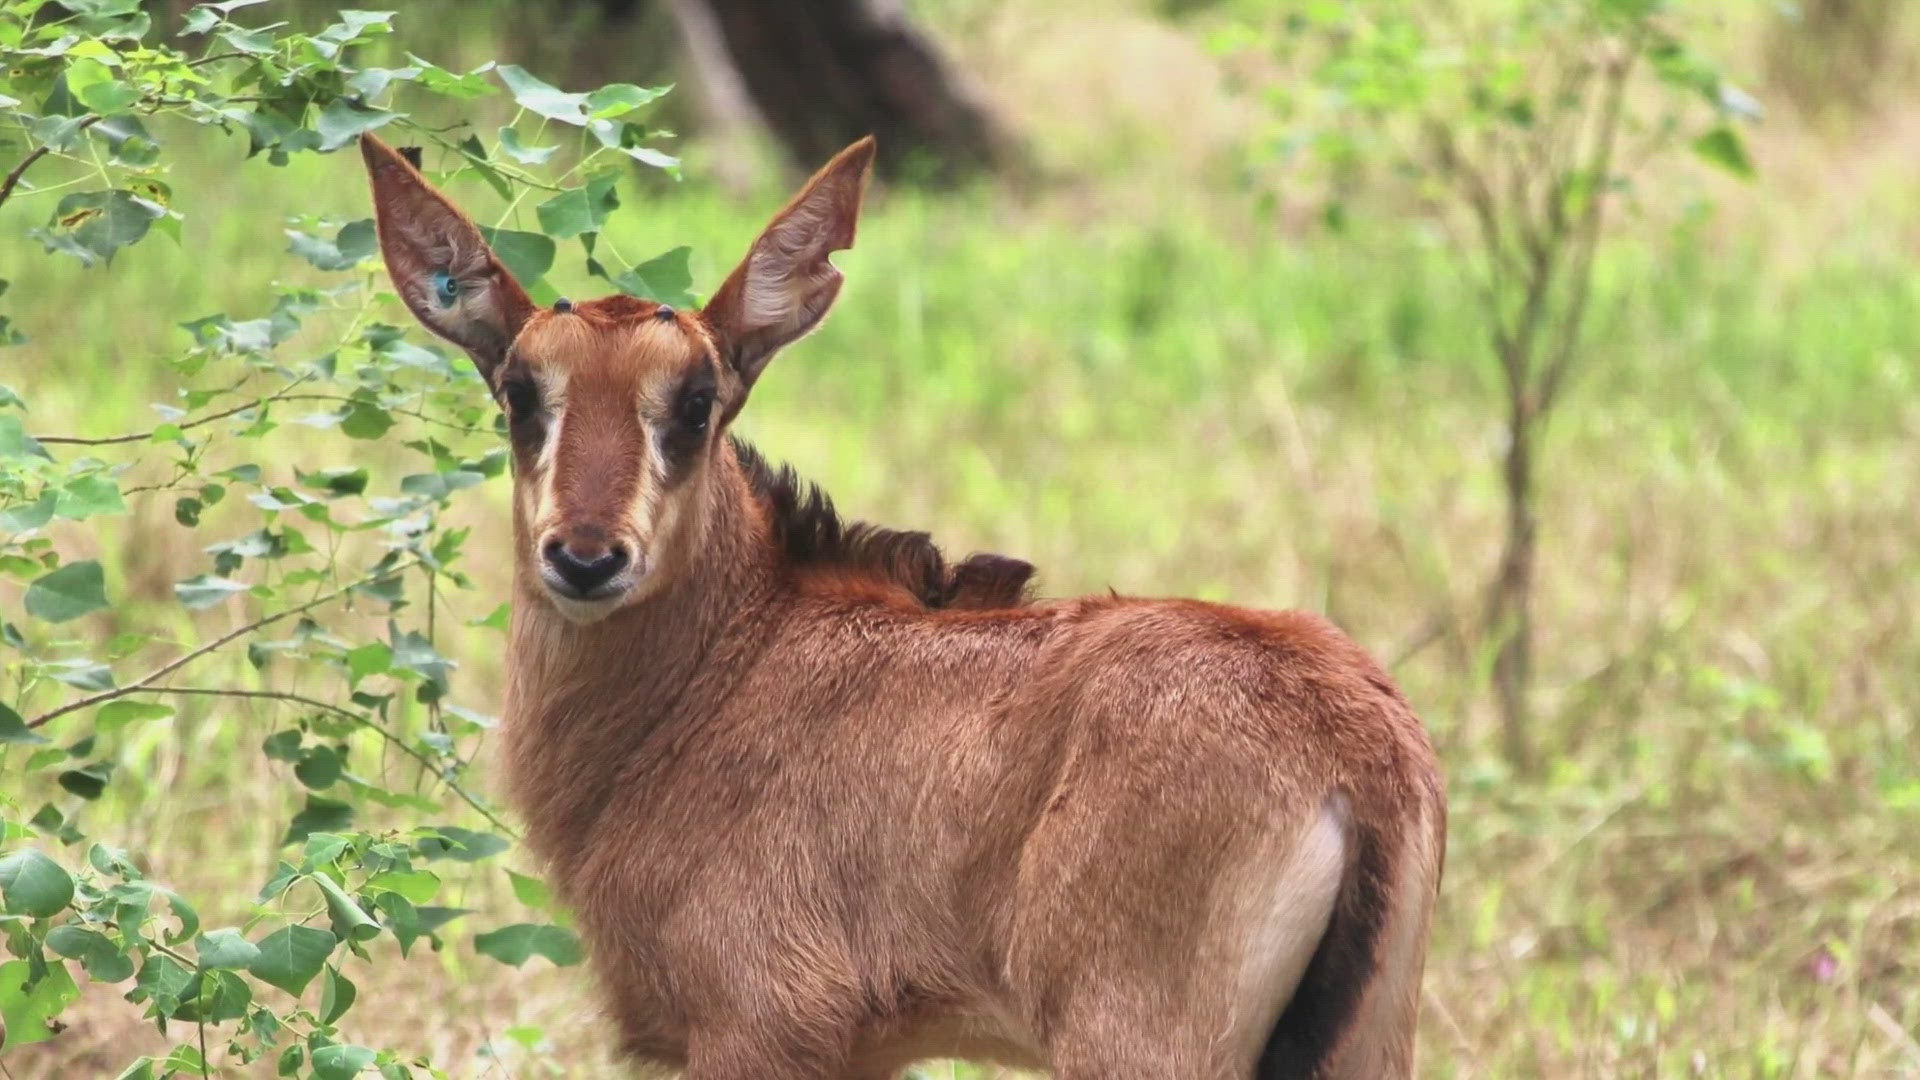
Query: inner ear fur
(441, 266)
(787, 282)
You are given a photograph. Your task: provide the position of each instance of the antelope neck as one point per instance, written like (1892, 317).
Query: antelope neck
(580, 698)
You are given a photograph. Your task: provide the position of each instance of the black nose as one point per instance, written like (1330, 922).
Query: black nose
(584, 569)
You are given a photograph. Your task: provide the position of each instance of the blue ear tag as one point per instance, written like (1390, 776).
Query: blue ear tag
(445, 288)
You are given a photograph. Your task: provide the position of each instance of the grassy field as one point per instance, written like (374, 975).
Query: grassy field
(1137, 378)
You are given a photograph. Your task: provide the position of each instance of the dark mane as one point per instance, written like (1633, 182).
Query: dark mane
(810, 533)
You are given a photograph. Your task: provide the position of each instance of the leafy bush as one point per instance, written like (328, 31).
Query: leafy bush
(331, 578)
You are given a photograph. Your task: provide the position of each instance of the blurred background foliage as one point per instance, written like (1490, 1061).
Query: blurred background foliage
(1194, 297)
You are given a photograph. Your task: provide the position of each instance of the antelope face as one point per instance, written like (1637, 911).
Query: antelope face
(614, 406)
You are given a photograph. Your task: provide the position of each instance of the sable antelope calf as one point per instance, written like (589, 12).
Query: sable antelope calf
(827, 805)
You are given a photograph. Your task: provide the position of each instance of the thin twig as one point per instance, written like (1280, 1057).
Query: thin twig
(142, 436)
(146, 681)
(280, 395)
(158, 946)
(316, 703)
(205, 60)
(6, 187)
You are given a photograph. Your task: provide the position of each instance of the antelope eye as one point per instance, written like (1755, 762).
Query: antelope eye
(695, 408)
(522, 397)
(446, 288)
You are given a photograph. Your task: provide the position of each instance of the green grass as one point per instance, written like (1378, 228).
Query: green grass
(1149, 385)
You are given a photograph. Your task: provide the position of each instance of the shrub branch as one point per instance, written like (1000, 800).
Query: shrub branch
(145, 682)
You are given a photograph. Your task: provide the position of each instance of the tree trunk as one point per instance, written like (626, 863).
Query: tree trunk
(1510, 608)
(822, 73)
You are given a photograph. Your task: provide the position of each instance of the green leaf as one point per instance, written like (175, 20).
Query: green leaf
(355, 25)
(618, 99)
(219, 997)
(626, 138)
(283, 878)
(538, 97)
(433, 918)
(92, 225)
(511, 146)
(413, 652)
(33, 884)
(282, 745)
(253, 42)
(107, 97)
(402, 918)
(354, 243)
(104, 961)
(1723, 147)
(89, 782)
(183, 911)
(27, 1006)
(85, 496)
(350, 921)
(665, 278)
(319, 815)
(93, 84)
(68, 593)
(365, 420)
(325, 848)
(340, 1061)
(373, 658)
(438, 80)
(226, 949)
(371, 82)
(291, 956)
(581, 210)
(15, 730)
(15, 442)
(115, 715)
(112, 861)
(531, 891)
(528, 256)
(438, 486)
(162, 980)
(418, 886)
(517, 943)
(83, 672)
(31, 515)
(337, 483)
(206, 590)
(336, 995)
(342, 121)
(497, 619)
(461, 845)
(319, 766)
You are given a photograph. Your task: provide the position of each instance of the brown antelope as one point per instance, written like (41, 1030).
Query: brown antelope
(827, 805)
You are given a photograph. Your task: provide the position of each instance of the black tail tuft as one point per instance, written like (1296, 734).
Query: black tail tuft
(1328, 998)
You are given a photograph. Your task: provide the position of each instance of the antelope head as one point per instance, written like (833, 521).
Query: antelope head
(616, 406)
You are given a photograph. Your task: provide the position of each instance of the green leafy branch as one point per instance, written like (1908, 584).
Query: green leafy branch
(349, 562)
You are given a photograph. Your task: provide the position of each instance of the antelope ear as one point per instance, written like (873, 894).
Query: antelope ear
(786, 283)
(441, 266)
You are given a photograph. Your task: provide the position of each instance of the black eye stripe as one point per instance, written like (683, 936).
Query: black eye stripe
(694, 408)
(693, 404)
(522, 396)
(689, 421)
